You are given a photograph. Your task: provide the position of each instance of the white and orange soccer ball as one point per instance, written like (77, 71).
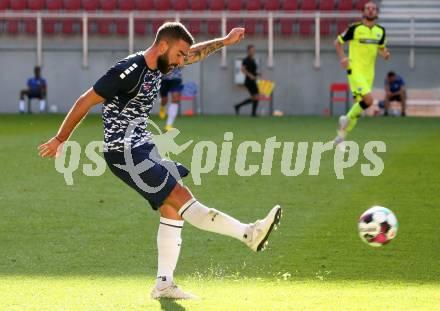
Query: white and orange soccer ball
(377, 226)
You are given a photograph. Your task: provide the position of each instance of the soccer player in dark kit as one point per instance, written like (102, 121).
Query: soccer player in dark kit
(128, 91)
(249, 68)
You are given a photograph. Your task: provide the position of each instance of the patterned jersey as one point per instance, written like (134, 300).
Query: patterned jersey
(174, 74)
(130, 89)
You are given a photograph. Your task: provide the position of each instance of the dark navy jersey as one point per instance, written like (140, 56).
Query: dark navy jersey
(130, 89)
(36, 85)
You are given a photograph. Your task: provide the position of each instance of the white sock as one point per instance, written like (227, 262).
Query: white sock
(173, 108)
(168, 248)
(210, 219)
(42, 105)
(21, 105)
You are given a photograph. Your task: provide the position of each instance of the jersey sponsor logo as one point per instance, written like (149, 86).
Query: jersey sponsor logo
(369, 41)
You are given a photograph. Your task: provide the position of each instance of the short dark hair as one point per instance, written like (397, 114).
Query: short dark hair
(391, 74)
(174, 31)
(374, 2)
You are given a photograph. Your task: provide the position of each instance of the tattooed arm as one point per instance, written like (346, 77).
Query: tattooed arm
(200, 50)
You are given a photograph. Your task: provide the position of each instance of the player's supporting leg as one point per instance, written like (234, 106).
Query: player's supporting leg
(349, 121)
(21, 103)
(173, 110)
(403, 101)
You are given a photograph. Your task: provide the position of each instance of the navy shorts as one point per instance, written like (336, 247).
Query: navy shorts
(173, 86)
(155, 180)
(251, 86)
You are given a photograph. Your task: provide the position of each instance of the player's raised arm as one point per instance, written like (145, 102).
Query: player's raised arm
(86, 101)
(200, 50)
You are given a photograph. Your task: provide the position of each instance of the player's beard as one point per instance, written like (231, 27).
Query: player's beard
(163, 64)
(370, 18)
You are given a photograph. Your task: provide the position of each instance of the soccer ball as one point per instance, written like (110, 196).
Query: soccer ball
(377, 226)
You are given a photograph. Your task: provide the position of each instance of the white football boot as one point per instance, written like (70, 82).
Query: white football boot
(172, 292)
(259, 231)
(339, 140)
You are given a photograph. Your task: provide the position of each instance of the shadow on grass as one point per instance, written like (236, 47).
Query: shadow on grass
(170, 305)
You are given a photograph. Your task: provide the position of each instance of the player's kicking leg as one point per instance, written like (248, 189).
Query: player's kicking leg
(348, 122)
(180, 205)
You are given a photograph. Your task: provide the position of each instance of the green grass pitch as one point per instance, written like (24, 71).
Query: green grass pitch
(92, 246)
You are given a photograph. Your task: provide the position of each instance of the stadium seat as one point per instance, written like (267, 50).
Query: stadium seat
(69, 26)
(250, 24)
(12, 26)
(126, 5)
(108, 5)
(326, 6)
(90, 5)
(342, 24)
(122, 24)
(30, 26)
(49, 26)
(163, 5)
(198, 5)
(181, 5)
(287, 24)
(140, 25)
(35, 5)
(214, 25)
(143, 5)
(54, 5)
(18, 5)
(271, 5)
(305, 25)
(4, 5)
(233, 22)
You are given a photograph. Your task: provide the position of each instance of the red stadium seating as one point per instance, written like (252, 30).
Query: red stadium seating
(90, 5)
(143, 5)
(305, 25)
(108, 5)
(251, 24)
(54, 5)
(272, 5)
(126, 5)
(30, 26)
(198, 5)
(140, 25)
(214, 25)
(49, 26)
(4, 5)
(35, 5)
(326, 6)
(287, 24)
(181, 5)
(12, 26)
(342, 24)
(69, 25)
(72, 5)
(236, 5)
(163, 5)
(18, 5)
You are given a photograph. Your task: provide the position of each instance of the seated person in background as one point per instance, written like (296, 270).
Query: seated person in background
(394, 91)
(36, 88)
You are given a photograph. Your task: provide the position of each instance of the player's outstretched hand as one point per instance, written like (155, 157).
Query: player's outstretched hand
(50, 148)
(234, 36)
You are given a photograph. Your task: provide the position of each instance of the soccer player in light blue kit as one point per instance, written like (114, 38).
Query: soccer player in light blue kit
(128, 91)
